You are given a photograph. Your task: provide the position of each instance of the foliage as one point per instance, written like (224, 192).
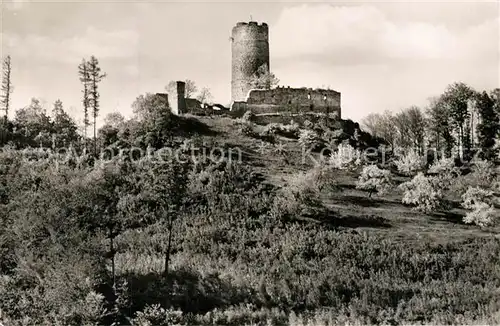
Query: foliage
(444, 172)
(489, 126)
(422, 192)
(345, 158)
(299, 198)
(456, 98)
(482, 215)
(290, 130)
(480, 202)
(155, 315)
(264, 79)
(475, 196)
(247, 116)
(374, 179)
(409, 163)
(439, 126)
(308, 138)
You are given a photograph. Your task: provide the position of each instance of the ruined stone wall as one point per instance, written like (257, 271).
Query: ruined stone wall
(291, 100)
(250, 50)
(177, 100)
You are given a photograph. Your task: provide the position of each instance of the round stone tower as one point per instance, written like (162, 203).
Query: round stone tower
(250, 50)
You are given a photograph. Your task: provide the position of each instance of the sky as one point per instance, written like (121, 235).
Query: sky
(379, 55)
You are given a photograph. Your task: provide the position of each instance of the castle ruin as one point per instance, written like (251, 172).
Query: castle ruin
(250, 51)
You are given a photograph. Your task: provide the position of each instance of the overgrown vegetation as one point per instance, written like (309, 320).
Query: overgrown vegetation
(141, 236)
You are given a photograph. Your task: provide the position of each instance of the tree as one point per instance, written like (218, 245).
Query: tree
(264, 79)
(410, 163)
(114, 119)
(410, 126)
(65, 130)
(95, 77)
(457, 97)
(189, 90)
(439, 127)
(6, 85)
(156, 123)
(345, 157)
(83, 73)
(422, 192)
(164, 187)
(205, 96)
(488, 127)
(33, 122)
(480, 202)
(374, 179)
(383, 126)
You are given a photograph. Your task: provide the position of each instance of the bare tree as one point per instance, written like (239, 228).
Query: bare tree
(6, 85)
(381, 125)
(205, 96)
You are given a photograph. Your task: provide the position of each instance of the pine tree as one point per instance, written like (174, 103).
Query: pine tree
(6, 86)
(488, 127)
(83, 73)
(95, 77)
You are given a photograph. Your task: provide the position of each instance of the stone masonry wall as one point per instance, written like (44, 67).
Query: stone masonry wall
(291, 100)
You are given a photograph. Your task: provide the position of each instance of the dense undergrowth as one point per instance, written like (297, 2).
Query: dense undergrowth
(211, 243)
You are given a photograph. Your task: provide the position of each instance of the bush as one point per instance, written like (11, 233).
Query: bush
(248, 116)
(345, 158)
(409, 164)
(482, 215)
(300, 197)
(475, 195)
(422, 192)
(157, 316)
(374, 179)
(308, 139)
(445, 172)
(480, 201)
(247, 130)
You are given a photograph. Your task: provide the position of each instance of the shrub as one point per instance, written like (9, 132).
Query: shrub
(409, 164)
(480, 201)
(482, 215)
(483, 171)
(476, 195)
(247, 130)
(157, 316)
(298, 198)
(374, 179)
(445, 171)
(345, 158)
(308, 138)
(443, 165)
(248, 116)
(422, 192)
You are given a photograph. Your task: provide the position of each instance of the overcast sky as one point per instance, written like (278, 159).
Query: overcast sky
(379, 55)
